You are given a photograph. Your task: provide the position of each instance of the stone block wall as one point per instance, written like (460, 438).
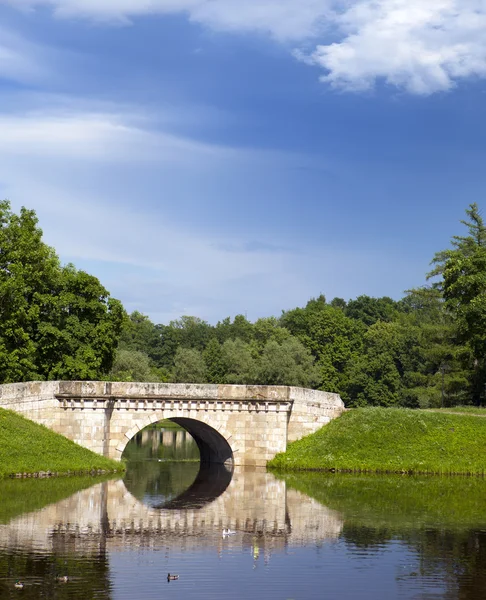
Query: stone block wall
(311, 409)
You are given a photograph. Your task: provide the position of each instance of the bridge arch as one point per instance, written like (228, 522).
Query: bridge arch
(213, 444)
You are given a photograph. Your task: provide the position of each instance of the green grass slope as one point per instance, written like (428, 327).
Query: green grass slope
(391, 440)
(26, 447)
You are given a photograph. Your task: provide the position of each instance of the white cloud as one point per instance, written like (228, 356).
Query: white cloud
(423, 46)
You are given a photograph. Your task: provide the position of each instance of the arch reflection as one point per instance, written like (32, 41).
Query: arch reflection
(164, 471)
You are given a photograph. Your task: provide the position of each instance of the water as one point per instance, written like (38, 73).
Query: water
(306, 536)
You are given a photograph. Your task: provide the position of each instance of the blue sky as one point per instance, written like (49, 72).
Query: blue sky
(217, 157)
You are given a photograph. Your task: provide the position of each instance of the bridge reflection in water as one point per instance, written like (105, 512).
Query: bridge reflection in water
(108, 517)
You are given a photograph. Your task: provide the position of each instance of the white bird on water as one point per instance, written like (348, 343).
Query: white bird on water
(228, 532)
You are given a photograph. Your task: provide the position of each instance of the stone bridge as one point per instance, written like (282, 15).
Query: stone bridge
(245, 424)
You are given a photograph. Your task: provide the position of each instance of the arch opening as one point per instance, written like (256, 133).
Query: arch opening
(163, 479)
(213, 447)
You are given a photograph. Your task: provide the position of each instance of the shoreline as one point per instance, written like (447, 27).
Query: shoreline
(52, 474)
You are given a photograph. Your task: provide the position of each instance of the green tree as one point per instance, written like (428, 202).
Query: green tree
(463, 282)
(186, 332)
(78, 337)
(29, 279)
(54, 322)
(240, 328)
(461, 245)
(333, 339)
(238, 362)
(288, 363)
(139, 333)
(374, 377)
(369, 310)
(214, 360)
(192, 332)
(189, 366)
(131, 365)
(267, 329)
(435, 365)
(339, 303)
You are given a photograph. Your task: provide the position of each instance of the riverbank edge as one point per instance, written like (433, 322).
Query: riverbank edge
(52, 474)
(391, 441)
(402, 472)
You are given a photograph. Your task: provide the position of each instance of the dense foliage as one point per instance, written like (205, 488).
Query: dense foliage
(425, 350)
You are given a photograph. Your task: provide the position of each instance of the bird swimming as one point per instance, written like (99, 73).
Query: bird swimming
(62, 578)
(228, 532)
(19, 585)
(172, 577)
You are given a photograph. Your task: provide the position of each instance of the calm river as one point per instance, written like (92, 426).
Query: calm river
(304, 536)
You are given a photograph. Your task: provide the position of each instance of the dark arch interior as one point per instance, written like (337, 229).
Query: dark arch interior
(213, 448)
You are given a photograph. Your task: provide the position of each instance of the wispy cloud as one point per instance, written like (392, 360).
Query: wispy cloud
(106, 186)
(20, 59)
(283, 19)
(95, 137)
(422, 47)
(155, 262)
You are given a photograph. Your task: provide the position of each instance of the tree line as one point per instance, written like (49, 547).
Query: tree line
(425, 350)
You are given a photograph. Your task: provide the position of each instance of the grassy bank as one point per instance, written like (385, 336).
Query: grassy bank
(26, 447)
(392, 440)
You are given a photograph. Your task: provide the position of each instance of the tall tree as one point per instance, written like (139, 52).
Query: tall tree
(374, 377)
(54, 322)
(78, 337)
(288, 363)
(189, 366)
(369, 310)
(435, 364)
(214, 358)
(239, 362)
(139, 334)
(332, 338)
(461, 245)
(462, 269)
(29, 279)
